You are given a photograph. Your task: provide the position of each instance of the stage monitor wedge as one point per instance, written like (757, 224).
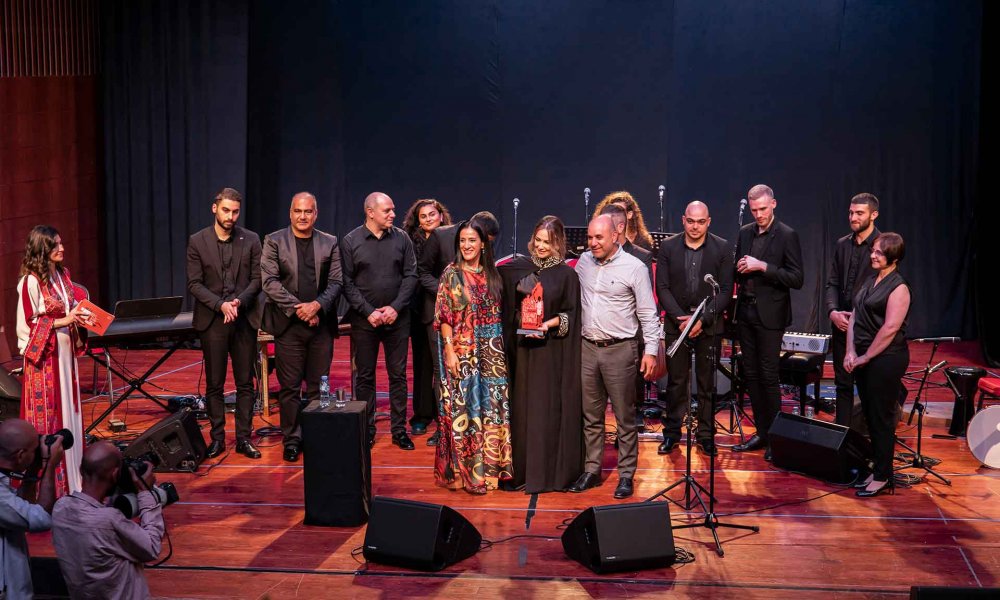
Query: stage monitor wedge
(177, 442)
(622, 537)
(827, 451)
(418, 535)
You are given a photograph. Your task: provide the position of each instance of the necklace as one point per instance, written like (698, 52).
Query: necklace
(545, 263)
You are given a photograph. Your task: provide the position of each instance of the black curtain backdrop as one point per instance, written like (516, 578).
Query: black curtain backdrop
(476, 102)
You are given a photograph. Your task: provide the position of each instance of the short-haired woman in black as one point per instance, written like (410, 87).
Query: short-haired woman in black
(878, 356)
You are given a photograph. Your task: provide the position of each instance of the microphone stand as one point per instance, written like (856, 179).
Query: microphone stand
(662, 222)
(586, 206)
(918, 460)
(514, 249)
(711, 520)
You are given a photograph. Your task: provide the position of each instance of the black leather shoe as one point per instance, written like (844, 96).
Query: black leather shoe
(419, 428)
(754, 443)
(402, 440)
(585, 482)
(292, 453)
(215, 448)
(767, 453)
(624, 489)
(708, 447)
(669, 443)
(435, 438)
(247, 449)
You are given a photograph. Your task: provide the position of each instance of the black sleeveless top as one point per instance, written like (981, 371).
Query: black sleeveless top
(869, 313)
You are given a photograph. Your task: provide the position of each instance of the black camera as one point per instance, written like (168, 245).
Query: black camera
(125, 497)
(48, 440)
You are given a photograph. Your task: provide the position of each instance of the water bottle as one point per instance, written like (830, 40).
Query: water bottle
(324, 391)
(810, 411)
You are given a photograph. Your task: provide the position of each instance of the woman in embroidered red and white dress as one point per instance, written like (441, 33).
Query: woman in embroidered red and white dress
(47, 336)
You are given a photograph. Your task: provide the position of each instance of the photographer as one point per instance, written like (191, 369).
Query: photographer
(101, 553)
(20, 459)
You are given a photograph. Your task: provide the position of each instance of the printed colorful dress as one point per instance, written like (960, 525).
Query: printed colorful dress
(474, 452)
(50, 397)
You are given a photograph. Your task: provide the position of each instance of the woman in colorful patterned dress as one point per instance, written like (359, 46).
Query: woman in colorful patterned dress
(47, 318)
(474, 452)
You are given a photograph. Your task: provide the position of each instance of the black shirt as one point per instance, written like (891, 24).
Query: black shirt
(757, 245)
(869, 313)
(692, 270)
(228, 274)
(851, 267)
(378, 271)
(307, 291)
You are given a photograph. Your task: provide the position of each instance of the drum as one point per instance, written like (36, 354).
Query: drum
(966, 382)
(983, 436)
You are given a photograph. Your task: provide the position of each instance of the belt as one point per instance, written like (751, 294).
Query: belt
(606, 343)
(749, 299)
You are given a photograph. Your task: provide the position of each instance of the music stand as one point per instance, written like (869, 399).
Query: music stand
(127, 311)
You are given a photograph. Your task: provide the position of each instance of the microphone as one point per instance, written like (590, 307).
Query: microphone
(516, 202)
(938, 340)
(743, 203)
(710, 280)
(586, 193)
(937, 367)
(662, 189)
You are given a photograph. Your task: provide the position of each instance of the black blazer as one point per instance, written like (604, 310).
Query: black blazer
(671, 281)
(279, 267)
(438, 252)
(783, 255)
(838, 273)
(204, 275)
(642, 254)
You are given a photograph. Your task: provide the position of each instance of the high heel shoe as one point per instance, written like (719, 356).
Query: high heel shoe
(887, 487)
(860, 485)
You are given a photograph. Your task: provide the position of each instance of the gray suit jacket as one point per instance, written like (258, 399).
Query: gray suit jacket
(279, 268)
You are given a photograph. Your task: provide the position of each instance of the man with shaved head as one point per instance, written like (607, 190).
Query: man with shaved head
(380, 277)
(616, 301)
(682, 263)
(23, 510)
(301, 277)
(101, 553)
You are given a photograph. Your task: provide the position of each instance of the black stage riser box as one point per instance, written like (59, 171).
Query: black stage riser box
(918, 592)
(827, 451)
(417, 535)
(336, 464)
(177, 441)
(621, 537)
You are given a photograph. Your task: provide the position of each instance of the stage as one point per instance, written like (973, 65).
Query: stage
(237, 531)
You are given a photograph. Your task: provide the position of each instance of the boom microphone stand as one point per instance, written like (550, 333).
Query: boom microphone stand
(514, 249)
(918, 460)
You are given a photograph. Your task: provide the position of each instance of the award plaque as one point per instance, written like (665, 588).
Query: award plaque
(532, 312)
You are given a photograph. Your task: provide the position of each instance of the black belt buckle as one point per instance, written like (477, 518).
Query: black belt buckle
(606, 343)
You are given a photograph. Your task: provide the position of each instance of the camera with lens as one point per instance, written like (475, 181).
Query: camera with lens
(48, 440)
(125, 497)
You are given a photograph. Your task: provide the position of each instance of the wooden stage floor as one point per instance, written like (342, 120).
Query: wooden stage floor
(237, 531)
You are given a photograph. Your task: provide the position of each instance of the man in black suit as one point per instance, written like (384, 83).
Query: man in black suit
(438, 253)
(850, 268)
(768, 266)
(681, 265)
(301, 276)
(223, 275)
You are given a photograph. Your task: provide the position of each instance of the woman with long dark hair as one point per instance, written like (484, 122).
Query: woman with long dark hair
(474, 450)
(423, 217)
(546, 401)
(47, 336)
(878, 356)
(635, 226)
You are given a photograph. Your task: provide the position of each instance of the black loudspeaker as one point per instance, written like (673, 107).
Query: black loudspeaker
(918, 592)
(337, 468)
(827, 451)
(621, 537)
(10, 388)
(176, 441)
(417, 535)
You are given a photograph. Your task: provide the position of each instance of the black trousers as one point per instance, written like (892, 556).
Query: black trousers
(423, 341)
(394, 339)
(301, 353)
(843, 380)
(761, 349)
(679, 386)
(879, 385)
(219, 342)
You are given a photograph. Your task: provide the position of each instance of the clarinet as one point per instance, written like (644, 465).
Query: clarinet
(739, 286)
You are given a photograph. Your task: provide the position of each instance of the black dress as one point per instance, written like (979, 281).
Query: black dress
(546, 400)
